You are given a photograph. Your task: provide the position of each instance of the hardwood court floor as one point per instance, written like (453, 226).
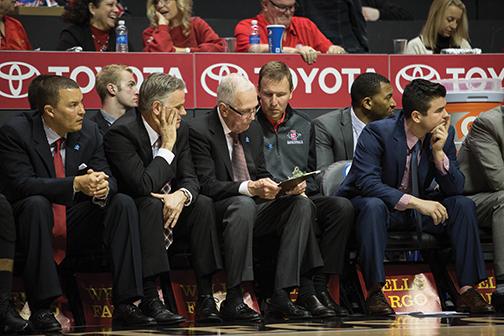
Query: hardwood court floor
(398, 326)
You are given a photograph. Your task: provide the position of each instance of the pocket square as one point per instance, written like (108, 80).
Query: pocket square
(82, 166)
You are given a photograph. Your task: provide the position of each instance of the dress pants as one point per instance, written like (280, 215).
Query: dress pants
(373, 219)
(490, 213)
(7, 227)
(196, 224)
(287, 218)
(116, 225)
(335, 219)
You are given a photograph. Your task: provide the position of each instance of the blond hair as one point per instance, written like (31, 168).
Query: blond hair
(109, 74)
(435, 18)
(184, 8)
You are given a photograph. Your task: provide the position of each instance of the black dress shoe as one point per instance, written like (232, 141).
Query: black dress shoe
(313, 305)
(10, 320)
(43, 320)
(326, 299)
(498, 302)
(288, 310)
(129, 315)
(471, 301)
(377, 305)
(206, 310)
(238, 312)
(158, 311)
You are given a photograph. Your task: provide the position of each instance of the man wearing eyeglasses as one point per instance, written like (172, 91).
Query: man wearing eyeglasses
(301, 35)
(227, 150)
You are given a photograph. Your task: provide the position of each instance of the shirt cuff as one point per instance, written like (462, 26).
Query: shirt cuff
(188, 195)
(166, 154)
(403, 202)
(101, 202)
(244, 189)
(443, 166)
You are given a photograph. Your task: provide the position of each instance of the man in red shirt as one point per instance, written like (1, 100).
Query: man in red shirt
(301, 35)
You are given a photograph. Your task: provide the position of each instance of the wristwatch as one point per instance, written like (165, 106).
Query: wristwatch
(187, 195)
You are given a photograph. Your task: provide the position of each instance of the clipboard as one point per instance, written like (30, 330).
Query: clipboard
(289, 184)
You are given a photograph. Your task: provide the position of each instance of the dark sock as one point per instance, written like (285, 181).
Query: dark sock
(320, 282)
(43, 304)
(306, 287)
(280, 295)
(204, 285)
(6, 263)
(234, 295)
(150, 288)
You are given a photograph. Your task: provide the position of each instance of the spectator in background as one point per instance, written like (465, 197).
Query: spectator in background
(301, 35)
(91, 27)
(118, 93)
(12, 33)
(446, 27)
(173, 29)
(374, 10)
(340, 20)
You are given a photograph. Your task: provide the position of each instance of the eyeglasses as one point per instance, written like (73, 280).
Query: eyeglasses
(284, 9)
(249, 113)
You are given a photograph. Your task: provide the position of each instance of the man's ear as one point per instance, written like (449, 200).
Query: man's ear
(416, 116)
(49, 111)
(156, 107)
(367, 103)
(112, 89)
(223, 110)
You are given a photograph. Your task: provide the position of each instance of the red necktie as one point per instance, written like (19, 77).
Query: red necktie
(240, 170)
(59, 211)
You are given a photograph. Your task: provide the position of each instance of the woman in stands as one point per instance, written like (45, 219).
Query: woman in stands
(12, 34)
(446, 27)
(91, 27)
(173, 29)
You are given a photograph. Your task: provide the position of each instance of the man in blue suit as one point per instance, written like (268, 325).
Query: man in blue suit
(395, 163)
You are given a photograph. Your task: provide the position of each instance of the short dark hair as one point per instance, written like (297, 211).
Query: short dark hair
(48, 94)
(33, 90)
(275, 71)
(367, 84)
(77, 11)
(156, 87)
(419, 94)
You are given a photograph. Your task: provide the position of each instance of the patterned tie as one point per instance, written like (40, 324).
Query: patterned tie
(59, 211)
(240, 170)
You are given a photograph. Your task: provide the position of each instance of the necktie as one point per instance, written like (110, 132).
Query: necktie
(240, 170)
(414, 186)
(59, 211)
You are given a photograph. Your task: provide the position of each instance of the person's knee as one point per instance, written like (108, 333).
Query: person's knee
(122, 201)
(372, 204)
(457, 203)
(203, 202)
(37, 204)
(242, 211)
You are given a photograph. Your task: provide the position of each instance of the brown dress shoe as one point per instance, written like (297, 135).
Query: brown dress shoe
(376, 304)
(471, 301)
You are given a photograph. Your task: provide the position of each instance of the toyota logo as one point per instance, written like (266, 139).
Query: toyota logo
(16, 73)
(215, 72)
(412, 71)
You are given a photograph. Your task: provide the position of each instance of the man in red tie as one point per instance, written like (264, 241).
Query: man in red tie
(64, 200)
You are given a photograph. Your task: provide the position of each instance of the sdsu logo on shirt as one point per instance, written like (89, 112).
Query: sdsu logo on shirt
(294, 138)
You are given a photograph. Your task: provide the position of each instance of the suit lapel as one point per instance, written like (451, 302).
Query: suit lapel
(41, 145)
(425, 159)
(72, 154)
(143, 140)
(400, 147)
(217, 131)
(346, 130)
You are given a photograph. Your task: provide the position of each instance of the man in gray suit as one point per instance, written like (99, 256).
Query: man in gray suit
(334, 135)
(481, 160)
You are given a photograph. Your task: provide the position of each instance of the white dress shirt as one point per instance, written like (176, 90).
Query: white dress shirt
(357, 127)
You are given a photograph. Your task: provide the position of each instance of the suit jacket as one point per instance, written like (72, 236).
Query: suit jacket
(380, 159)
(129, 152)
(80, 35)
(27, 165)
(331, 139)
(481, 156)
(103, 125)
(211, 156)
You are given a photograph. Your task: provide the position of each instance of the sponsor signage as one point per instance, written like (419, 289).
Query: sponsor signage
(324, 84)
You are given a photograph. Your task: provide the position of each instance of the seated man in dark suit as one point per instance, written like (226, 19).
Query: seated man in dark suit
(150, 156)
(118, 93)
(395, 163)
(10, 321)
(481, 160)
(55, 174)
(334, 135)
(286, 136)
(227, 149)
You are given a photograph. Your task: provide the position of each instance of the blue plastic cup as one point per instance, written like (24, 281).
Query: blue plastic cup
(275, 33)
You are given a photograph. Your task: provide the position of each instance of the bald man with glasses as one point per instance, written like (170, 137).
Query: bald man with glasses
(227, 150)
(301, 35)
